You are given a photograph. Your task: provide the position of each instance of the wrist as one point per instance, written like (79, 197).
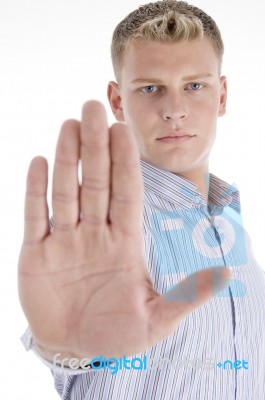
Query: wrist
(57, 357)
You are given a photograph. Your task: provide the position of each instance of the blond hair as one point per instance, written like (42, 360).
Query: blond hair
(164, 21)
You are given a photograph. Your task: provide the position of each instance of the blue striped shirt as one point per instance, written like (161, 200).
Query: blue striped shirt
(183, 233)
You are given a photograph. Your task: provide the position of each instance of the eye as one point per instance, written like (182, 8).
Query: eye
(149, 89)
(195, 86)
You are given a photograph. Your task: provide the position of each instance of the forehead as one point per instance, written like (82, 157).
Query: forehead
(156, 58)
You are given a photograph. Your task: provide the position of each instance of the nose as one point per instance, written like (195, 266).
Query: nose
(174, 108)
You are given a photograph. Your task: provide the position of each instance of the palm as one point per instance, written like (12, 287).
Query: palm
(89, 277)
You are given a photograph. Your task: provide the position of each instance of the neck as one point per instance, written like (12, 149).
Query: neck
(200, 178)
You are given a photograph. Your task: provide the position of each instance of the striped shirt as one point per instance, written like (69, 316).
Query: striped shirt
(226, 336)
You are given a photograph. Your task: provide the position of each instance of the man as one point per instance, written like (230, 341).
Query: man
(104, 282)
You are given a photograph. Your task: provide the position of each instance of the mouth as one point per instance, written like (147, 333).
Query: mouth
(178, 137)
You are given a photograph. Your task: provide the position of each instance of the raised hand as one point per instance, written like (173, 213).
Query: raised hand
(85, 288)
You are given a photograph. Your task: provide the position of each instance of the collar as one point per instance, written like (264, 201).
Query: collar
(185, 194)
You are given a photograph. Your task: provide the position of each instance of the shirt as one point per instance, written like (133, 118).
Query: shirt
(183, 234)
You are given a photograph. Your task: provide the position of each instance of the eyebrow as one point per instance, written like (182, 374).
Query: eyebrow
(159, 81)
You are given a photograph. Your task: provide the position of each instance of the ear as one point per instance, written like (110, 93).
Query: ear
(223, 96)
(115, 101)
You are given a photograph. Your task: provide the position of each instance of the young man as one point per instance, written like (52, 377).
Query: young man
(105, 282)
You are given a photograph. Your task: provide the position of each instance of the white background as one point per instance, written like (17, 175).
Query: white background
(54, 55)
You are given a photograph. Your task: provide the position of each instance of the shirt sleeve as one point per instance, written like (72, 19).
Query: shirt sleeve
(64, 377)
(28, 343)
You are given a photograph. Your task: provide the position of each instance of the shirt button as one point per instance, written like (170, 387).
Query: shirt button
(197, 199)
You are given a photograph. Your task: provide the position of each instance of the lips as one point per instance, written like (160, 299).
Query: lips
(176, 137)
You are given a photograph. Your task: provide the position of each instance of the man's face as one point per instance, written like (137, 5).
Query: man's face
(170, 96)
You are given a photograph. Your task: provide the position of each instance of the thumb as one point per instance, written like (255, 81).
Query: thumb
(193, 292)
(200, 286)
